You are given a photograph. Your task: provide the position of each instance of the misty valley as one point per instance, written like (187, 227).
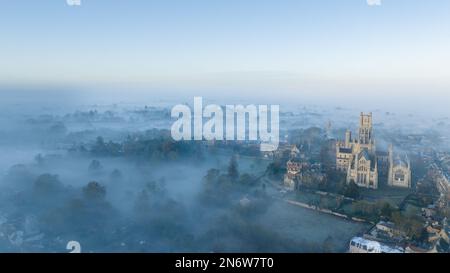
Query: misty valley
(111, 178)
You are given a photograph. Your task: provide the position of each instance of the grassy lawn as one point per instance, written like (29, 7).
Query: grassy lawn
(392, 195)
(309, 227)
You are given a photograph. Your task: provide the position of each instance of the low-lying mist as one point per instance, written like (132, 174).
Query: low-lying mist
(110, 177)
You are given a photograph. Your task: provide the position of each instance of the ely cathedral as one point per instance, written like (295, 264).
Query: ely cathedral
(363, 164)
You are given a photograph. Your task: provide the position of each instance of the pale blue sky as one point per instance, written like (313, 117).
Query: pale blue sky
(288, 45)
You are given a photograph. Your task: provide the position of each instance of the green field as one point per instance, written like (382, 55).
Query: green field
(311, 228)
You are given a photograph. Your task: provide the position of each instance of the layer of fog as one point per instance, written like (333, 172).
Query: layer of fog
(39, 129)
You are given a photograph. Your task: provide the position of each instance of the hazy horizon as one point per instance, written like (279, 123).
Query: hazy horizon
(342, 52)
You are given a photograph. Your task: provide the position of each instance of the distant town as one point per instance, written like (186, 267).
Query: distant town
(407, 213)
